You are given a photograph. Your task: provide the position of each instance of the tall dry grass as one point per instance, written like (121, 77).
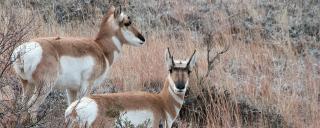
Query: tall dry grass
(269, 77)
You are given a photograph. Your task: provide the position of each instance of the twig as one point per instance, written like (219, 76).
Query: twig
(211, 61)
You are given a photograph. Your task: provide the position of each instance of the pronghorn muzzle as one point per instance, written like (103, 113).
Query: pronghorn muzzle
(180, 85)
(141, 38)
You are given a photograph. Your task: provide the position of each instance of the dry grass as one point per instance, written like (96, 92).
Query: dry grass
(268, 78)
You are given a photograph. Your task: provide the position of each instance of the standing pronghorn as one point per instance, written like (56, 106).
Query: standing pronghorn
(136, 107)
(74, 64)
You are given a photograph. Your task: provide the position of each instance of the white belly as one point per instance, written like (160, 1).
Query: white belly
(74, 71)
(140, 118)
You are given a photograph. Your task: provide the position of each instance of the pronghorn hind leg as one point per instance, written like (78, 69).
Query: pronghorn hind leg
(71, 95)
(27, 90)
(40, 94)
(44, 79)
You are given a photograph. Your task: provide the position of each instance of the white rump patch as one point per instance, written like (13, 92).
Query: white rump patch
(26, 58)
(131, 38)
(87, 111)
(138, 117)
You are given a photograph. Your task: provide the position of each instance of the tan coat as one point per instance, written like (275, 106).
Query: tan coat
(44, 63)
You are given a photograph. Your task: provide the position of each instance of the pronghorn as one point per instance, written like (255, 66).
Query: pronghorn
(103, 110)
(74, 64)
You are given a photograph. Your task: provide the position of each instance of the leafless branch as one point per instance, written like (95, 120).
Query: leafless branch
(211, 60)
(208, 40)
(14, 31)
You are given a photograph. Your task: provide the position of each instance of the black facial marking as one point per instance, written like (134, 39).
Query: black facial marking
(180, 77)
(180, 68)
(141, 37)
(127, 24)
(188, 70)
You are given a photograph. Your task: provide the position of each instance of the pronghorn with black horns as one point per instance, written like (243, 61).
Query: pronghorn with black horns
(73, 63)
(104, 110)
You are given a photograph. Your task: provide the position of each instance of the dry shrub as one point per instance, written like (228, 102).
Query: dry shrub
(13, 31)
(269, 77)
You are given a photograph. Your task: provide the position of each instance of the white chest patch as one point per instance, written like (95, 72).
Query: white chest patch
(117, 43)
(137, 118)
(169, 120)
(87, 111)
(26, 58)
(74, 71)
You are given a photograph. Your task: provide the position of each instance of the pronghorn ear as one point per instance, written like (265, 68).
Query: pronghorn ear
(117, 12)
(192, 61)
(169, 60)
(111, 10)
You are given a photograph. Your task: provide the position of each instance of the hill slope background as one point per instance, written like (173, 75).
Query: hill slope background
(269, 75)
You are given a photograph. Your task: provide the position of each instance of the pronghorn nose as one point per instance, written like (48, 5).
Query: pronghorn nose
(141, 37)
(180, 86)
(127, 24)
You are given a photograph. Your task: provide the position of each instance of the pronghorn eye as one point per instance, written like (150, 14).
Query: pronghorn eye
(170, 70)
(189, 72)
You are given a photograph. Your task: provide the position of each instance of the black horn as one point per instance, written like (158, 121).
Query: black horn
(171, 57)
(191, 58)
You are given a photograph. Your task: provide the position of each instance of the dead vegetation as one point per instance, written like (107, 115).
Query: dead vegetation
(258, 60)
(13, 32)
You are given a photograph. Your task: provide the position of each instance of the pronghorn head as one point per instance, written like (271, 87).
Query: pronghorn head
(179, 72)
(119, 24)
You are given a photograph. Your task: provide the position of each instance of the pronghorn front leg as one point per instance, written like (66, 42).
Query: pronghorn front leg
(71, 95)
(85, 88)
